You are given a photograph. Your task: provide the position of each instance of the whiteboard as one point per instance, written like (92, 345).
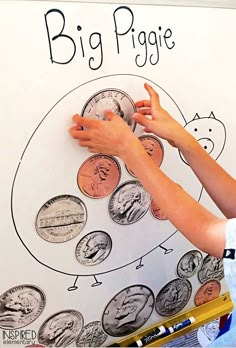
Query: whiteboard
(56, 58)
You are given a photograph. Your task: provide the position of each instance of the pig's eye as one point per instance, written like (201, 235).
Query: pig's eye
(210, 130)
(195, 129)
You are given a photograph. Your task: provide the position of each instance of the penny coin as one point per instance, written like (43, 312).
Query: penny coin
(61, 329)
(157, 212)
(20, 306)
(207, 292)
(98, 176)
(93, 248)
(154, 149)
(212, 268)
(128, 310)
(129, 203)
(115, 100)
(173, 297)
(61, 218)
(189, 264)
(92, 335)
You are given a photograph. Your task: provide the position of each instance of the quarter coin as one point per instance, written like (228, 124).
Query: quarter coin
(189, 264)
(173, 297)
(113, 99)
(212, 268)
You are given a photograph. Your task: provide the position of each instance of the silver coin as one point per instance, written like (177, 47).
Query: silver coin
(212, 268)
(128, 310)
(92, 335)
(128, 203)
(115, 100)
(189, 264)
(61, 218)
(173, 297)
(61, 329)
(20, 306)
(93, 248)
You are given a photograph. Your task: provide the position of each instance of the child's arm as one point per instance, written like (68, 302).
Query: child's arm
(114, 137)
(216, 181)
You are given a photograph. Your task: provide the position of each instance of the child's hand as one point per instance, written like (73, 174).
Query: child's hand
(112, 137)
(156, 120)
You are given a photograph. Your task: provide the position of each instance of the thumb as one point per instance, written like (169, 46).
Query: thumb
(144, 121)
(109, 115)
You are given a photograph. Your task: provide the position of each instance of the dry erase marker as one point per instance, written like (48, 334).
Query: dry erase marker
(152, 336)
(180, 325)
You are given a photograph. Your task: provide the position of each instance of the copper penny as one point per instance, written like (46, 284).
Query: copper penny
(98, 176)
(207, 292)
(156, 211)
(154, 149)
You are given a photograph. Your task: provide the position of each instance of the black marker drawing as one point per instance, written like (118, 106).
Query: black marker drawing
(209, 131)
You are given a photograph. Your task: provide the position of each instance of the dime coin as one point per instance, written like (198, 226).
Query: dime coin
(128, 310)
(156, 211)
(61, 219)
(154, 149)
(173, 297)
(60, 329)
(20, 306)
(115, 100)
(92, 335)
(212, 268)
(93, 248)
(98, 176)
(207, 292)
(189, 264)
(129, 203)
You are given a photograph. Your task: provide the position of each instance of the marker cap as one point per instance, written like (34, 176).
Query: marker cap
(192, 319)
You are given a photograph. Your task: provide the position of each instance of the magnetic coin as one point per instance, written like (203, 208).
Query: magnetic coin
(98, 176)
(154, 149)
(20, 306)
(93, 248)
(157, 212)
(61, 218)
(189, 264)
(113, 99)
(92, 335)
(212, 268)
(173, 297)
(129, 203)
(128, 310)
(207, 292)
(61, 329)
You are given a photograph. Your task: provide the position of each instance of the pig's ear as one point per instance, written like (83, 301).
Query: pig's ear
(212, 115)
(196, 117)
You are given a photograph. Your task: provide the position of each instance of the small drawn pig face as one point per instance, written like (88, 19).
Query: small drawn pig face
(209, 132)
